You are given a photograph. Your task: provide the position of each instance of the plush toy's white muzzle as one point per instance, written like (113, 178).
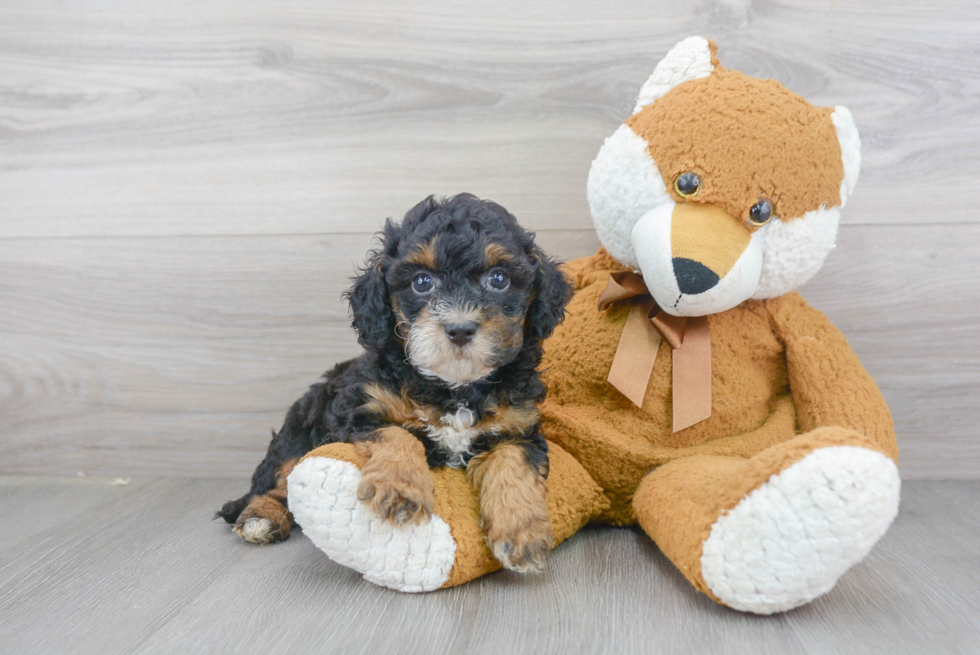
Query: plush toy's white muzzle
(685, 284)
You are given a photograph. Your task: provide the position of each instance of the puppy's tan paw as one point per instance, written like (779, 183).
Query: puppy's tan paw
(524, 546)
(513, 507)
(402, 498)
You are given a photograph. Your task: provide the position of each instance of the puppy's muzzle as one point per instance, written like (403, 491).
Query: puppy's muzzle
(461, 334)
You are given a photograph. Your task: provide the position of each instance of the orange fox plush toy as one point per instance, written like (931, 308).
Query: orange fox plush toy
(691, 390)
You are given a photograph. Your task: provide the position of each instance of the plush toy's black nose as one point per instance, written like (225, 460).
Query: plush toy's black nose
(461, 333)
(693, 277)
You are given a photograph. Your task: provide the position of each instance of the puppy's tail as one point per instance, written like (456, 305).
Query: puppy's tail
(230, 511)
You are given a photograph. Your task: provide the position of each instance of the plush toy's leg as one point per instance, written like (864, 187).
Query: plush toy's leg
(772, 532)
(448, 549)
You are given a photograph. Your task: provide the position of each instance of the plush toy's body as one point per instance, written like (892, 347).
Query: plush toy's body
(785, 386)
(754, 449)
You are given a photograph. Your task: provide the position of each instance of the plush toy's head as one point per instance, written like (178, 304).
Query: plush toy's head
(722, 187)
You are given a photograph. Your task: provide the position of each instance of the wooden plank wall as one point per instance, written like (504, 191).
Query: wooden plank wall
(185, 186)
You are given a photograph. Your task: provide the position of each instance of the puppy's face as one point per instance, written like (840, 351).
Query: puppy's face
(460, 295)
(462, 280)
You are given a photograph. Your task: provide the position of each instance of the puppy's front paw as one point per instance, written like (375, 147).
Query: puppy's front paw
(524, 545)
(401, 497)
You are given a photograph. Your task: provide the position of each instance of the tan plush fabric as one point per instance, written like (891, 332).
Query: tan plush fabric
(747, 139)
(830, 387)
(754, 405)
(784, 383)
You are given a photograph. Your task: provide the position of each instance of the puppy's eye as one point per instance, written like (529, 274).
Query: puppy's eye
(761, 212)
(498, 280)
(423, 283)
(687, 184)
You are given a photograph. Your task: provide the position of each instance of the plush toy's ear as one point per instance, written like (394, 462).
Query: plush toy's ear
(371, 316)
(692, 58)
(850, 150)
(552, 293)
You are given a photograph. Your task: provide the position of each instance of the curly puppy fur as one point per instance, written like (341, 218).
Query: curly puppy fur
(451, 311)
(513, 507)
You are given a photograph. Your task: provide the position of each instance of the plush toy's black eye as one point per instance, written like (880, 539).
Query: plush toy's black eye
(498, 280)
(423, 283)
(761, 212)
(687, 184)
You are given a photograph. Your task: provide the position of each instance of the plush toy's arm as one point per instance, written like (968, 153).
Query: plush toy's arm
(584, 271)
(830, 387)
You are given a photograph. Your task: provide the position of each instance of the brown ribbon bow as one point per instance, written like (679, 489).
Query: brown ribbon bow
(636, 354)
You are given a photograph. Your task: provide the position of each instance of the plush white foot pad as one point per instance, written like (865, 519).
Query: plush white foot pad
(789, 541)
(322, 496)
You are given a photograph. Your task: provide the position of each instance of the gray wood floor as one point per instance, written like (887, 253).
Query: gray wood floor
(87, 567)
(185, 187)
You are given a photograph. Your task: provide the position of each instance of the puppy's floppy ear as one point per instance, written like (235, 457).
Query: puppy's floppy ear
(552, 293)
(371, 315)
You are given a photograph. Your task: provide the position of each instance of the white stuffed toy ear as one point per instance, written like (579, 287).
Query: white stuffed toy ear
(688, 60)
(850, 150)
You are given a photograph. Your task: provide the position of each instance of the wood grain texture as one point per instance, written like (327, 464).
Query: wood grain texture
(184, 189)
(176, 356)
(141, 569)
(137, 118)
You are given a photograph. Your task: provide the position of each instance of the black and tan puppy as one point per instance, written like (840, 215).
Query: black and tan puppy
(451, 312)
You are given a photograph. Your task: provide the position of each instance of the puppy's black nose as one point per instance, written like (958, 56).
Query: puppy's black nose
(693, 277)
(461, 333)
